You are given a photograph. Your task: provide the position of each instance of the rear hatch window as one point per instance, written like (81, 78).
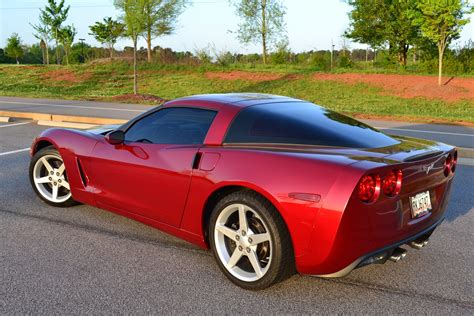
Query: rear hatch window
(302, 123)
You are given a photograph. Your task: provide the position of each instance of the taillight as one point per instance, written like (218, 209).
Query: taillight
(392, 183)
(369, 188)
(455, 161)
(448, 165)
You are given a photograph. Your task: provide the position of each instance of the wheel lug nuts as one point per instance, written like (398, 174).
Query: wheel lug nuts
(55, 183)
(59, 180)
(250, 240)
(237, 237)
(57, 173)
(248, 249)
(50, 179)
(240, 248)
(51, 173)
(243, 233)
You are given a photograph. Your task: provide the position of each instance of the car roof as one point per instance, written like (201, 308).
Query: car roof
(233, 99)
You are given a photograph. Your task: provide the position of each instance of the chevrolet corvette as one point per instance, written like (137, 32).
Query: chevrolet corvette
(272, 185)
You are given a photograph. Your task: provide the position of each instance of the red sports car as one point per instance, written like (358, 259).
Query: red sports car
(271, 184)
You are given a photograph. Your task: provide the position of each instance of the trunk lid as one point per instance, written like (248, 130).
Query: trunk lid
(422, 164)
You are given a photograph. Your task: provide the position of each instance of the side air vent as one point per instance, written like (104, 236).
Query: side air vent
(81, 172)
(423, 156)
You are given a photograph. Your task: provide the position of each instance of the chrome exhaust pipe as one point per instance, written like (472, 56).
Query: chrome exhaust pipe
(398, 254)
(418, 244)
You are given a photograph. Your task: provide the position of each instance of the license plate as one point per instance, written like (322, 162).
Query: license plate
(420, 204)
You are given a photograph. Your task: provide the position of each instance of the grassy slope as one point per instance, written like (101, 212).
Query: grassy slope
(103, 82)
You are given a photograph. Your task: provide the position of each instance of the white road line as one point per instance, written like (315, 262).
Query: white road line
(14, 151)
(15, 124)
(420, 131)
(73, 106)
(466, 161)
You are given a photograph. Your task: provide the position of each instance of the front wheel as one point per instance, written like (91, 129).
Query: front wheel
(250, 241)
(49, 179)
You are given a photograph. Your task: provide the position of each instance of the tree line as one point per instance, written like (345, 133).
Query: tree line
(392, 26)
(401, 24)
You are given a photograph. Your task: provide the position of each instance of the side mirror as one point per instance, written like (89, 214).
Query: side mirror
(115, 137)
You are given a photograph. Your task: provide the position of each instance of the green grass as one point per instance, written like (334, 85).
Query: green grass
(104, 81)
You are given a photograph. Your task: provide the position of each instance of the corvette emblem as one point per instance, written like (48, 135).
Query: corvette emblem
(428, 168)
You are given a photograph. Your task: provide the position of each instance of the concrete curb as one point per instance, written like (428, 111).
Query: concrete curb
(66, 124)
(62, 118)
(466, 152)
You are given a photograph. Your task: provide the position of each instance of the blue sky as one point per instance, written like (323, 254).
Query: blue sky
(311, 24)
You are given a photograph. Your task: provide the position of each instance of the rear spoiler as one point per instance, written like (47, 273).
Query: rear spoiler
(423, 156)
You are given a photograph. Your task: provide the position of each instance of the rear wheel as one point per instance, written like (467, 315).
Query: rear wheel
(250, 241)
(49, 179)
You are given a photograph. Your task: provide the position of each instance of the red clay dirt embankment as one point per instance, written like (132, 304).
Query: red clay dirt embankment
(410, 86)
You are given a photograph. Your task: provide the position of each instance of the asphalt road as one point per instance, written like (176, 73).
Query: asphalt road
(85, 260)
(455, 135)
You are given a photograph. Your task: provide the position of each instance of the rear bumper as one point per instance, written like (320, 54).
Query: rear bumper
(381, 255)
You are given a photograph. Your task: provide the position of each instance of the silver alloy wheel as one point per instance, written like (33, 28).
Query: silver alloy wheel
(50, 179)
(243, 242)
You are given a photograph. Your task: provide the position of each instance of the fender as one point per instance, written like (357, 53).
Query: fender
(265, 171)
(74, 147)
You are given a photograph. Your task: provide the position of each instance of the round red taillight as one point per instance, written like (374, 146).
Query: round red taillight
(392, 183)
(455, 161)
(369, 188)
(448, 164)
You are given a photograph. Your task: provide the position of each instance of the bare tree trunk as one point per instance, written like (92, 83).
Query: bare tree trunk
(135, 79)
(403, 54)
(57, 47)
(111, 51)
(43, 55)
(67, 56)
(367, 54)
(264, 44)
(264, 31)
(440, 65)
(47, 53)
(57, 53)
(148, 42)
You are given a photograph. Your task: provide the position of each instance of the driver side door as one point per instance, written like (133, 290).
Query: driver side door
(150, 173)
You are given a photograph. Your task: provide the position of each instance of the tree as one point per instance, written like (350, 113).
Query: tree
(13, 48)
(66, 37)
(380, 22)
(54, 15)
(441, 22)
(262, 22)
(107, 33)
(160, 19)
(42, 33)
(365, 25)
(134, 20)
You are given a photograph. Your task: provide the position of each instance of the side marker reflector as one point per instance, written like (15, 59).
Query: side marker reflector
(308, 197)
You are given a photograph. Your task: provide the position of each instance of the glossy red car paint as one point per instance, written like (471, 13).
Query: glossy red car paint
(162, 186)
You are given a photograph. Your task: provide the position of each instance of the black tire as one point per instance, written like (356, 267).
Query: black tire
(282, 263)
(47, 151)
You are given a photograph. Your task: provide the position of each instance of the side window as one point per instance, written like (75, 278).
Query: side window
(172, 126)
